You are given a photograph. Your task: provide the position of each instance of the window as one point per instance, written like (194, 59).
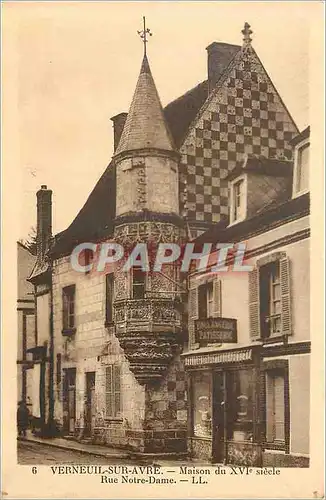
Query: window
(138, 283)
(269, 297)
(205, 300)
(302, 169)
(238, 201)
(68, 298)
(202, 404)
(274, 317)
(275, 408)
(240, 396)
(113, 391)
(109, 297)
(89, 256)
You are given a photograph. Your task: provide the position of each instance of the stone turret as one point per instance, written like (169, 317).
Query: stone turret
(147, 210)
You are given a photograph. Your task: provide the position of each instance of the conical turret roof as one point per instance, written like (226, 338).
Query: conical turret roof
(145, 126)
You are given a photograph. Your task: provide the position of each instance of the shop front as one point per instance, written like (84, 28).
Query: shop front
(225, 411)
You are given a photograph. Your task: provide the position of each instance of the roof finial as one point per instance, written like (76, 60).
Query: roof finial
(246, 35)
(143, 34)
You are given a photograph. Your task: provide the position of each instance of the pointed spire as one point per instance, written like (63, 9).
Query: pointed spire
(246, 35)
(145, 126)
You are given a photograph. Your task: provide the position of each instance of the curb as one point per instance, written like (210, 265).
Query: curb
(69, 448)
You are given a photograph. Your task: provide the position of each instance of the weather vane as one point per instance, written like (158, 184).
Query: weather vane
(144, 34)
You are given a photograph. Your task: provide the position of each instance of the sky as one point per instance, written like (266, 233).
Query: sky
(71, 66)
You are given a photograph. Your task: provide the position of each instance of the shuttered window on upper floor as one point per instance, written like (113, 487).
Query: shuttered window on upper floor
(205, 300)
(269, 298)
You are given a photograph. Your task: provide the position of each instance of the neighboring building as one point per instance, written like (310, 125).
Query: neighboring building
(114, 339)
(248, 361)
(26, 322)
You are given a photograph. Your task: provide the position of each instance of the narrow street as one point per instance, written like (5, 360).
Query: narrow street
(38, 454)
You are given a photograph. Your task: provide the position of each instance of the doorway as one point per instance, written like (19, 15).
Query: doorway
(90, 403)
(219, 417)
(233, 412)
(70, 400)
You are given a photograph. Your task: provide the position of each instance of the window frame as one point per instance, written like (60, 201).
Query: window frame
(68, 293)
(296, 191)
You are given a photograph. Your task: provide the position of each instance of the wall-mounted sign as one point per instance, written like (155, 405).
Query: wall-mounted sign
(215, 358)
(216, 331)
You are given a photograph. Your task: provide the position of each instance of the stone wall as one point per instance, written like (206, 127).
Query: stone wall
(153, 417)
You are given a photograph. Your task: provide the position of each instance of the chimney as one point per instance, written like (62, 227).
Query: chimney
(219, 56)
(44, 221)
(118, 124)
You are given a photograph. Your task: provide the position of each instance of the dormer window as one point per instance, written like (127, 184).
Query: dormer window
(238, 200)
(301, 163)
(303, 169)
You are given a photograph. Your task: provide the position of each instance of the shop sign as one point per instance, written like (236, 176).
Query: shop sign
(219, 357)
(216, 331)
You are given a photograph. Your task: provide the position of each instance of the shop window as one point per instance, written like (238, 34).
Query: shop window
(68, 299)
(269, 297)
(240, 397)
(138, 283)
(113, 391)
(202, 404)
(109, 297)
(275, 408)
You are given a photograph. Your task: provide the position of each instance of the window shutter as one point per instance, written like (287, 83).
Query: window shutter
(109, 392)
(254, 304)
(117, 390)
(192, 314)
(285, 296)
(193, 303)
(217, 297)
(109, 297)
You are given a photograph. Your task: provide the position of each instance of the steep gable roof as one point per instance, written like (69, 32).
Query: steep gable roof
(96, 217)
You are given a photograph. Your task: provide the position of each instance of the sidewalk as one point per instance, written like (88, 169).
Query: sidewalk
(113, 453)
(69, 444)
